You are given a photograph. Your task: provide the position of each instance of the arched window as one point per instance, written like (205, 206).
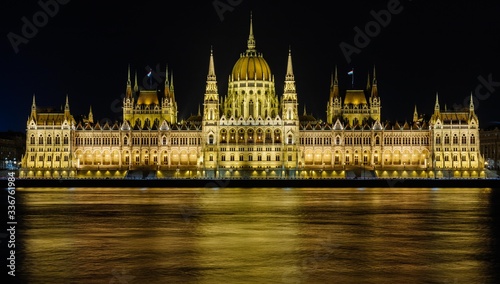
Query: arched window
(65, 140)
(446, 139)
(464, 139)
(32, 139)
(472, 139)
(164, 140)
(125, 140)
(211, 139)
(290, 139)
(455, 139)
(40, 140)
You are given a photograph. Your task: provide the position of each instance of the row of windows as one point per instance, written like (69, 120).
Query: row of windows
(49, 140)
(136, 141)
(316, 140)
(97, 141)
(57, 158)
(250, 158)
(446, 139)
(406, 140)
(258, 149)
(455, 158)
(365, 140)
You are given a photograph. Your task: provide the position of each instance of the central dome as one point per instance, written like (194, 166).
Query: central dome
(251, 67)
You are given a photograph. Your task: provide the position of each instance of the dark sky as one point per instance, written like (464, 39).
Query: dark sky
(83, 49)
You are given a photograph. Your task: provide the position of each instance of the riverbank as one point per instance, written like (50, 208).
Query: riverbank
(249, 183)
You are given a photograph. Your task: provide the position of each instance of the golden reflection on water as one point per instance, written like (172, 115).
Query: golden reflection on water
(259, 235)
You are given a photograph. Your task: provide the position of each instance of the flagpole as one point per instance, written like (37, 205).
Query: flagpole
(352, 79)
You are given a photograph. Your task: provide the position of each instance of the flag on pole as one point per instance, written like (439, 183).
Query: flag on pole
(352, 77)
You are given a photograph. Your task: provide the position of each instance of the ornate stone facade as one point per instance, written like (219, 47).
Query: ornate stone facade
(252, 132)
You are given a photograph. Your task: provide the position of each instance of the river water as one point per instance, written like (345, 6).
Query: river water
(257, 235)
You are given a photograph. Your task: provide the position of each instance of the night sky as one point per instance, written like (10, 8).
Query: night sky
(82, 50)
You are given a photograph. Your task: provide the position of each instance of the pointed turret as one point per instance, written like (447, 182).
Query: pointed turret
(66, 108)
(128, 92)
(471, 104)
(136, 85)
(368, 85)
(334, 105)
(91, 115)
(415, 114)
(436, 104)
(172, 93)
(375, 104)
(334, 85)
(289, 90)
(33, 108)
(374, 93)
(166, 89)
(289, 101)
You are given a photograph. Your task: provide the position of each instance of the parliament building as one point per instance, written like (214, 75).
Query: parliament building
(252, 132)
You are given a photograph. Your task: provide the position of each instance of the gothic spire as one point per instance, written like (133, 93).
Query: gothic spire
(374, 84)
(33, 107)
(290, 91)
(436, 105)
(251, 40)
(136, 85)
(66, 106)
(211, 87)
(334, 85)
(471, 104)
(128, 91)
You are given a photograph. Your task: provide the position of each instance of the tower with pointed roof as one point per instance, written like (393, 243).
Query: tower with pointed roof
(334, 104)
(374, 100)
(355, 109)
(148, 107)
(211, 115)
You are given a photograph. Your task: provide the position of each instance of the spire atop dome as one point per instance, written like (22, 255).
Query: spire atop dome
(251, 40)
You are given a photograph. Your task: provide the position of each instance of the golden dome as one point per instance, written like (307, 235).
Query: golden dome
(251, 65)
(255, 67)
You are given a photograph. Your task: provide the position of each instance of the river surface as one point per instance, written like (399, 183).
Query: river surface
(257, 235)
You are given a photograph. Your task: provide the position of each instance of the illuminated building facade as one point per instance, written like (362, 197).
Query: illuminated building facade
(252, 131)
